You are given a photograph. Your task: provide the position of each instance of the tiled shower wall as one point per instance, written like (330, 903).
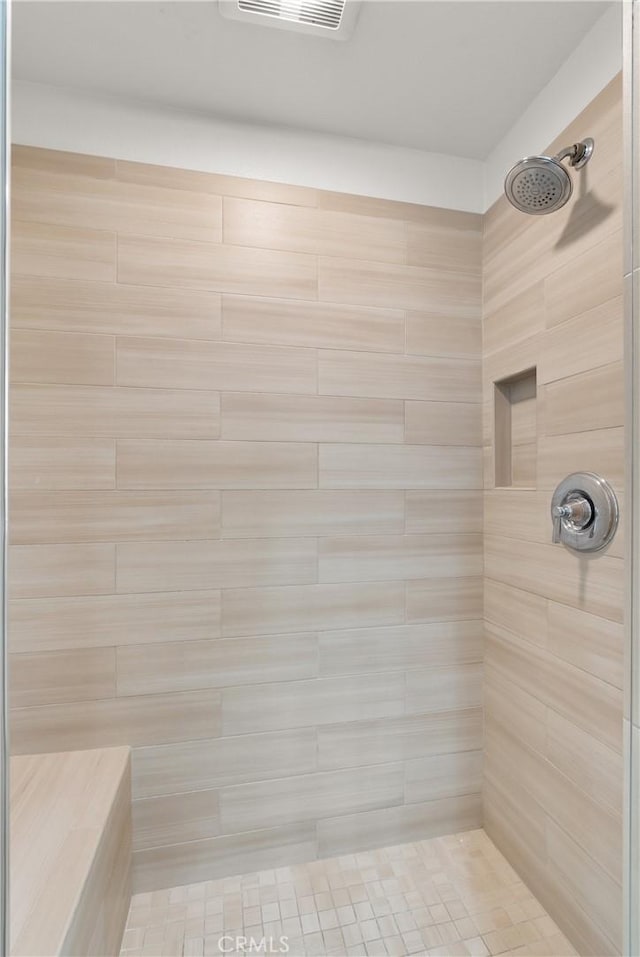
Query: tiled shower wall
(246, 507)
(554, 655)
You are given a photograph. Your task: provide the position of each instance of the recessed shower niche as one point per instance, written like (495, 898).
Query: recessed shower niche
(515, 430)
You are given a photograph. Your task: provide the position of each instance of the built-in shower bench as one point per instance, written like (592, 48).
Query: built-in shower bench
(70, 852)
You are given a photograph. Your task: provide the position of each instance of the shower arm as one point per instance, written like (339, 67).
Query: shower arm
(578, 154)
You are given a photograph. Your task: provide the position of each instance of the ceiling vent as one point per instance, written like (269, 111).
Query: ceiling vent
(326, 18)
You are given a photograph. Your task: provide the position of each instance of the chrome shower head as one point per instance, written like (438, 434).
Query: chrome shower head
(541, 184)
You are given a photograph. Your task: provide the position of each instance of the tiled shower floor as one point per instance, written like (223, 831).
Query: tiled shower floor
(453, 895)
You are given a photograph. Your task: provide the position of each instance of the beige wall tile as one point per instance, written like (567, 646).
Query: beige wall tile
(273, 610)
(218, 663)
(145, 720)
(65, 305)
(309, 797)
(599, 329)
(566, 293)
(399, 286)
(79, 164)
(259, 272)
(40, 462)
(106, 411)
(175, 818)
(400, 648)
(55, 677)
(299, 418)
(112, 516)
(445, 599)
(398, 377)
(601, 451)
(60, 357)
(321, 325)
(592, 766)
(521, 317)
(316, 231)
(56, 624)
(297, 704)
(454, 248)
(247, 563)
(591, 643)
(399, 739)
(514, 609)
(399, 466)
(186, 364)
(443, 423)
(195, 464)
(443, 776)
(601, 391)
(272, 514)
(456, 687)
(399, 825)
(218, 762)
(439, 335)
(507, 704)
(40, 571)
(385, 557)
(443, 511)
(220, 856)
(39, 249)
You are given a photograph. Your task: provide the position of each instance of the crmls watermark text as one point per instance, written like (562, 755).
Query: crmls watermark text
(253, 945)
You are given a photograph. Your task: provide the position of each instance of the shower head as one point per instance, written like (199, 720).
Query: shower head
(541, 184)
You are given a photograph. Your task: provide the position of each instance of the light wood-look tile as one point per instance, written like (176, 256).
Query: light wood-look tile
(301, 418)
(400, 648)
(443, 776)
(441, 511)
(453, 248)
(399, 466)
(55, 462)
(600, 330)
(218, 663)
(600, 450)
(320, 325)
(311, 607)
(386, 557)
(312, 512)
(236, 269)
(594, 644)
(567, 295)
(434, 335)
(298, 704)
(138, 721)
(42, 571)
(112, 516)
(591, 765)
(219, 762)
(175, 818)
(316, 231)
(107, 411)
(102, 621)
(60, 357)
(445, 599)
(601, 391)
(443, 423)
(39, 249)
(63, 305)
(58, 676)
(216, 465)
(398, 286)
(52, 161)
(398, 377)
(246, 563)
(187, 364)
(446, 688)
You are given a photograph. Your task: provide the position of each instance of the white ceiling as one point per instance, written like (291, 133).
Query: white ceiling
(445, 76)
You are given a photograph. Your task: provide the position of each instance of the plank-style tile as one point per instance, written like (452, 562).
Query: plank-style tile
(445, 599)
(443, 423)
(107, 308)
(246, 563)
(112, 516)
(217, 663)
(60, 357)
(42, 571)
(442, 511)
(311, 607)
(385, 557)
(399, 466)
(187, 364)
(59, 676)
(175, 819)
(601, 391)
(311, 512)
(456, 687)
(55, 462)
(102, 621)
(453, 248)
(108, 411)
(398, 377)
(194, 265)
(301, 418)
(184, 464)
(321, 325)
(443, 776)
(591, 643)
(436, 335)
(567, 295)
(40, 249)
(601, 331)
(400, 648)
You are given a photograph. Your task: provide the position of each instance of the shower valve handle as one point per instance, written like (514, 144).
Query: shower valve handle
(578, 511)
(584, 512)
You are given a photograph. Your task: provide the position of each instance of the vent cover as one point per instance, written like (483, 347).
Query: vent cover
(328, 18)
